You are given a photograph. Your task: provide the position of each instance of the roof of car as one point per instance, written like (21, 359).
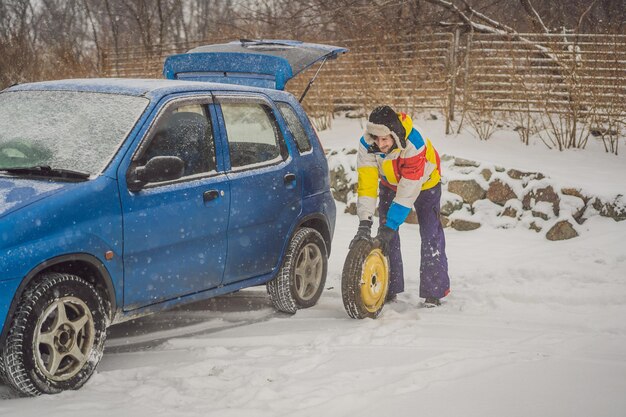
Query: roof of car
(151, 88)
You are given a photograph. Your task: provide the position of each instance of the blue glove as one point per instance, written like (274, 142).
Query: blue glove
(364, 232)
(384, 237)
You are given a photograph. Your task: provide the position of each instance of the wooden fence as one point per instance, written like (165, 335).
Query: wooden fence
(451, 72)
(545, 70)
(411, 73)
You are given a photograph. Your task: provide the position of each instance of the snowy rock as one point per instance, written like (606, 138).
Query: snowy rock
(464, 225)
(460, 162)
(340, 184)
(500, 192)
(545, 194)
(574, 206)
(445, 221)
(450, 203)
(543, 210)
(520, 175)
(561, 230)
(469, 190)
(615, 209)
(513, 209)
(509, 212)
(534, 226)
(575, 192)
(491, 196)
(343, 176)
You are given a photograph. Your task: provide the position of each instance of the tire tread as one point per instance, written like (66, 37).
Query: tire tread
(281, 286)
(351, 281)
(13, 354)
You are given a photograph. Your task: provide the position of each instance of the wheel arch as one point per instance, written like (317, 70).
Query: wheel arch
(319, 223)
(82, 264)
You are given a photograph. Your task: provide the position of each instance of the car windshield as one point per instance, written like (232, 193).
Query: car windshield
(64, 130)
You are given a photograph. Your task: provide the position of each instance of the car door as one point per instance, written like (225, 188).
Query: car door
(175, 231)
(265, 191)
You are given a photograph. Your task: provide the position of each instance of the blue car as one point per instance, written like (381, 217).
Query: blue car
(120, 198)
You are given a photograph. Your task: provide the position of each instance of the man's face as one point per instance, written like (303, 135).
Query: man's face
(384, 143)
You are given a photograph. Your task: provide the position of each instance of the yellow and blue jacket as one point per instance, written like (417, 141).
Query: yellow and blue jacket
(405, 170)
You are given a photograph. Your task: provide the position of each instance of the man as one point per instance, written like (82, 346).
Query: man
(399, 165)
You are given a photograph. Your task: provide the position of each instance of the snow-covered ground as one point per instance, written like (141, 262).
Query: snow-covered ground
(531, 328)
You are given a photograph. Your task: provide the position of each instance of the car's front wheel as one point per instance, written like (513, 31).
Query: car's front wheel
(56, 337)
(300, 281)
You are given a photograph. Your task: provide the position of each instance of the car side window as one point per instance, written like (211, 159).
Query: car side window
(253, 135)
(295, 127)
(184, 131)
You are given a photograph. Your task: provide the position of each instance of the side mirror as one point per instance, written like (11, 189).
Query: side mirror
(157, 169)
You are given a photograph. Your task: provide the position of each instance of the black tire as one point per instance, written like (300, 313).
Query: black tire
(351, 282)
(3, 374)
(56, 337)
(300, 281)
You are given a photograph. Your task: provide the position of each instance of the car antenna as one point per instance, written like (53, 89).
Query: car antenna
(306, 90)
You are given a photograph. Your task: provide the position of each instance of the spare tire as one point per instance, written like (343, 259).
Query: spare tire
(364, 280)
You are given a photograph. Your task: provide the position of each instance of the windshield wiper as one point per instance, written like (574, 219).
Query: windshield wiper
(47, 171)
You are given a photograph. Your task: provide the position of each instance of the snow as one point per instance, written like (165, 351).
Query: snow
(13, 193)
(531, 327)
(591, 168)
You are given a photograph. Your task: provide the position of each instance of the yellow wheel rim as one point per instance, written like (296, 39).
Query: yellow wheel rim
(374, 280)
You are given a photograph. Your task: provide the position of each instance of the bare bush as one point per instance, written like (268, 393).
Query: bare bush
(609, 126)
(525, 124)
(483, 122)
(564, 130)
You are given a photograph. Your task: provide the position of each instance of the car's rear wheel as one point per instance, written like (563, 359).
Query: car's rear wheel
(3, 376)
(300, 281)
(56, 337)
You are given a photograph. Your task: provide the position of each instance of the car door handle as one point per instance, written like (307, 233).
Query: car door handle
(289, 178)
(211, 195)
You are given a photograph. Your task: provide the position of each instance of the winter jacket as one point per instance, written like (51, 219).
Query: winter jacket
(405, 170)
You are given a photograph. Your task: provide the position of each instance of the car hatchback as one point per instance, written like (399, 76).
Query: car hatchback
(120, 198)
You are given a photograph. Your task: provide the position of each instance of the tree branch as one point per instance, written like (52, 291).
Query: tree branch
(582, 16)
(493, 26)
(489, 26)
(534, 16)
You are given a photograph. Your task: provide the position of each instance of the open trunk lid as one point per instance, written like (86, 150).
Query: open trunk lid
(257, 63)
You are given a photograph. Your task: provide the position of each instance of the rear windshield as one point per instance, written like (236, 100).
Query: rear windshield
(79, 131)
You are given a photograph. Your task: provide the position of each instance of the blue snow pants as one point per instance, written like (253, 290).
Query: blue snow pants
(434, 279)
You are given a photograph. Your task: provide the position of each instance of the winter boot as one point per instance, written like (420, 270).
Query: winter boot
(431, 302)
